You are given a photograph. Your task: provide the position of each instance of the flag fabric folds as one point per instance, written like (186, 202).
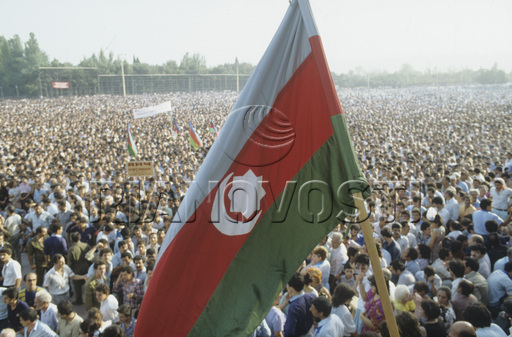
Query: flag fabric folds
(132, 148)
(213, 129)
(193, 138)
(274, 183)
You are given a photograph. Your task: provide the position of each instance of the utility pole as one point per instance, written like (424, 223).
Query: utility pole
(122, 77)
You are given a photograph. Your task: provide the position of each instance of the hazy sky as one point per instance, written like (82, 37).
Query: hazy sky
(373, 34)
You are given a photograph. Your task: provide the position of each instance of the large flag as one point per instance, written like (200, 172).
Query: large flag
(193, 138)
(213, 129)
(275, 182)
(132, 148)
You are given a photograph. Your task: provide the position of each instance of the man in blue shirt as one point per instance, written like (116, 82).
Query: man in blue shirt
(482, 216)
(390, 244)
(32, 326)
(55, 244)
(299, 319)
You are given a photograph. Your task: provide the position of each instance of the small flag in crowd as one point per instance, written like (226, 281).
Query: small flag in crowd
(213, 129)
(132, 148)
(246, 223)
(193, 138)
(175, 127)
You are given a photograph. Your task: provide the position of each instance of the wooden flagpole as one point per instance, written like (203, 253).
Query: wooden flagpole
(377, 268)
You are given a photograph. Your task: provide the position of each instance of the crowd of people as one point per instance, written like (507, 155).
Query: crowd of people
(438, 161)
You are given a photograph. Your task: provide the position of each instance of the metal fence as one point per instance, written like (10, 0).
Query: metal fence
(86, 81)
(163, 83)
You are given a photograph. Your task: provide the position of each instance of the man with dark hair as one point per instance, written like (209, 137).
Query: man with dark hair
(55, 244)
(105, 255)
(14, 307)
(471, 274)
(299, 319)
(64, 215)
(32, 326)
(69, 323)
(500, 286)
(11, 229)
(133, 289)
(402, 275)
(86, 232)
(478, 252)
(28, 294)
(500, 264)
(443, 212)
(99, 277)
(390, 244)
(108, 303)
(140, 270)
(78, 263)
(126, 321)
(440, 264)
(429, 276)
(11, 271)
(401, 240)
(480, 317)
(483, 215)
(35, 254)
(362, 286)
(457, 269)
(327, 324)
(409, 255)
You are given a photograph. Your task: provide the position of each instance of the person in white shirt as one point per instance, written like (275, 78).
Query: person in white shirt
(478, 252)
(452, 205)
(43, 303)
(108, 303)
(11, 273)
(337, 259)
(500, 285)
(437, 203)
(341, 298)
(328, 325)
(501, 196)
(480, 317)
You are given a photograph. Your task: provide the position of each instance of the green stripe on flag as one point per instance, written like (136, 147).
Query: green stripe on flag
(281, 246)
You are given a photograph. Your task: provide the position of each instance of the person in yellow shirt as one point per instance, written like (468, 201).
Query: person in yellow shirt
(403, 299)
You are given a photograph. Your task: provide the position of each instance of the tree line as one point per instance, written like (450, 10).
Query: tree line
(20, 75)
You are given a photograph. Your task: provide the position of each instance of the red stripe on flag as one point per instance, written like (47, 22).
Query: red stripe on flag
(329, 90)
(190, 269)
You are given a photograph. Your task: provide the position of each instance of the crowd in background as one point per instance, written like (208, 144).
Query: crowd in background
(438, 161)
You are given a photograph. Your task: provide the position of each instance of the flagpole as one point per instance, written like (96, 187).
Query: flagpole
(377, 268)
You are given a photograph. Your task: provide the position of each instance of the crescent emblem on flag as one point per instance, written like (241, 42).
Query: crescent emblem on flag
(245, 193)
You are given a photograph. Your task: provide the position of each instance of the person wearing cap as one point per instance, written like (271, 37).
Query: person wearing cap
(501, 197)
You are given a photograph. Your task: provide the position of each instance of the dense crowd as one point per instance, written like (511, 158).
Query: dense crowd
(438, 161)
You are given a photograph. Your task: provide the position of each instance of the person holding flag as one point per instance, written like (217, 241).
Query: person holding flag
(175, 129)
(213, 130)
(132, 148)
(193, 138)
